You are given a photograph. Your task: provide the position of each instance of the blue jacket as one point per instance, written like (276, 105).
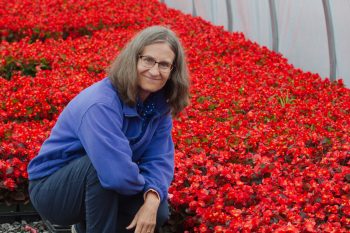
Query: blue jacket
(98, 124)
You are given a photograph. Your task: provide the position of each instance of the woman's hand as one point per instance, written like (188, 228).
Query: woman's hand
(145, 219)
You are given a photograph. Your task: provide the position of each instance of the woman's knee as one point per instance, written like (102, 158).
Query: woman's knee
(60, 196)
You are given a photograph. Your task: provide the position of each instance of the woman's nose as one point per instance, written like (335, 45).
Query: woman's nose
(154, 70)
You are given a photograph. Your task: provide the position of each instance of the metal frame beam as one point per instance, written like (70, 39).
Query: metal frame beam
(331, 40)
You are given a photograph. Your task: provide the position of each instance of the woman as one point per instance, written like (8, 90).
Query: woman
(109, 160)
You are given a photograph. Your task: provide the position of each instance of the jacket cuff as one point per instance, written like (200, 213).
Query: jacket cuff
(159, 189)
(153, 191)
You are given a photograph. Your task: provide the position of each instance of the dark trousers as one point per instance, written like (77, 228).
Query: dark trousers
(74, 195)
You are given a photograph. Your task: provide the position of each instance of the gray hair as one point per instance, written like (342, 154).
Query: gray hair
(123, 71)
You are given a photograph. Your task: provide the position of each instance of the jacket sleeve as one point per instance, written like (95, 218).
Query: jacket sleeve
(100, 133)
(157, 163)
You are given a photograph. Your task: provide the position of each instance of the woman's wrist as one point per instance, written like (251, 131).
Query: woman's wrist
(152, 196)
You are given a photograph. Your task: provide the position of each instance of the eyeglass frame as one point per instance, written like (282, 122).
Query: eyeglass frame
(156, 62)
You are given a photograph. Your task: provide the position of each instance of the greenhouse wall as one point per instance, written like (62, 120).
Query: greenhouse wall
(313, 35)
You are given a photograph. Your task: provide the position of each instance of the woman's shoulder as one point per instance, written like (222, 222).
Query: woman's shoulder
(101, 93)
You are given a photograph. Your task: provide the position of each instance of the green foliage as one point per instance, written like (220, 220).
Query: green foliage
(27, 68)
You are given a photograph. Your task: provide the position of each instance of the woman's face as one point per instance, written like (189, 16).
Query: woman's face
(154, 68)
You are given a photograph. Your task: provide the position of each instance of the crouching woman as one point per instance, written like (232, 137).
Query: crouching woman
(109, 160)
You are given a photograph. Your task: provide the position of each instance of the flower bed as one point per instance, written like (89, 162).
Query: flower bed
(264, 147)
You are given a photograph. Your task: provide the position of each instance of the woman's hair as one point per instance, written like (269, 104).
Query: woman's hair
(123, 71)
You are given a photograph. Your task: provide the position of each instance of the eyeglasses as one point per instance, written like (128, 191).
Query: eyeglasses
(149, 62)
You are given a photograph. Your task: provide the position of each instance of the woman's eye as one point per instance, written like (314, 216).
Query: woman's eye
(149, 59)
(164, 64)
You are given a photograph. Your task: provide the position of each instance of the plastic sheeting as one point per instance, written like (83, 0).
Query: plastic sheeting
(300, 27)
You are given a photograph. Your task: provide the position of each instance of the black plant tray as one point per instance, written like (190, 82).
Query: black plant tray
(18, 212)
